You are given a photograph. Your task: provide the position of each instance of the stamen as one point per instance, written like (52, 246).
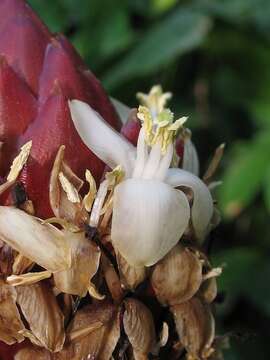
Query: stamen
(155, 100)
(98, 204)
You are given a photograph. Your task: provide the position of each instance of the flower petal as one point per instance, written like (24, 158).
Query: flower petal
(142, 155)
(149, 218)
(85, 258)
(122, 110)
(43, 244)
(202, 208)
(190, 159)
(103, 140)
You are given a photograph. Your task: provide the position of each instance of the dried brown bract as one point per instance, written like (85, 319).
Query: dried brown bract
(6, 258)
(85, 257)
(177, 277)
(21, 264)
(139, 327)
(11, 324)
(208, 290)
(43, 315)
(195, 326)
(92, 334)
(130, 276)
(112, 279)
(33, 353)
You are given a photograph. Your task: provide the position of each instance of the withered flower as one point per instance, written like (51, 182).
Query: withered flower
(92, 334)
(6, 258)
(112, 280)
(85, 258)
(44, 244)
(33, 352)
(195, 326)
(11, 324)
(130, 276)
(177, 277)
(41, 311)
(139, 327)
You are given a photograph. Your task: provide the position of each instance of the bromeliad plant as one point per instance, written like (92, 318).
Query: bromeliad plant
(90, 269)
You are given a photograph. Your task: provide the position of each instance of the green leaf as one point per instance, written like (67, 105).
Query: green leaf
(52, 13)
(236, 264)
(267, 188)
(178, 33)
(116, 33)
(245, 175)
(259, 290)
(160, 6)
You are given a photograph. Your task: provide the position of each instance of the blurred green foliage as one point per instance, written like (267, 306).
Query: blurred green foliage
(214, 55)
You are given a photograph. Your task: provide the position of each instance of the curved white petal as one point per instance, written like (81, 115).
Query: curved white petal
(149, 218)
(142, 155)
(122, 110)
(190, 159)
(202, 208)
(101, 138)
(164, 164)
(43, 244)
(153, 162)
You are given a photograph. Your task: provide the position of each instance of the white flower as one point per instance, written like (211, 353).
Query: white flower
(149, 214)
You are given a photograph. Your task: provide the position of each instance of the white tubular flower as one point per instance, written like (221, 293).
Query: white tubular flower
(149, 214)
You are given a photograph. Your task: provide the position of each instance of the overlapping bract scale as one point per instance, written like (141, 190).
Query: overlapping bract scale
(39, 72)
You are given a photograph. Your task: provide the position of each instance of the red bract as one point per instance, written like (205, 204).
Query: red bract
(179, 147)
(131, 128)
(19, 8)
(18, 109)
(53, 126)
(7, 352)
(39, 72)
(59, 65)
(24, 45)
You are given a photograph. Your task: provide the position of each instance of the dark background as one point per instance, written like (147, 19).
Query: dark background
(215, 57)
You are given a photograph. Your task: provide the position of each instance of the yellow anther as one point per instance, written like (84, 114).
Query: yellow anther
(158, 121)
(155, 100)
(146, 118)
